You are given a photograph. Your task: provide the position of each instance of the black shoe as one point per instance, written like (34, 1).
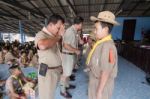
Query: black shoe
(72, 78)
(75, 70)
(71, 87)
(66, 94)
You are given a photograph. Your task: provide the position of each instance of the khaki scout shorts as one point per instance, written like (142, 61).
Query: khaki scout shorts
(47, 85)
(67, 64)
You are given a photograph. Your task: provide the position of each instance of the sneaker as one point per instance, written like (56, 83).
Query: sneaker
(71, 87)
(72, 78)
(75, 70)
(66, 94)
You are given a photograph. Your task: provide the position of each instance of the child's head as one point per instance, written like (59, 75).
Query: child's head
(12, 61)
(104, 23)
(15, 70)
(5, 49)
(30, 51)
(15, 48)
(102, 29)
(23, 53)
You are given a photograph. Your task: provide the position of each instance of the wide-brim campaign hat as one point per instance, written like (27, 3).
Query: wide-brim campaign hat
(105, 16)
(92, 36)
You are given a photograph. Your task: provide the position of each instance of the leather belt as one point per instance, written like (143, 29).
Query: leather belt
(68, 53)
(55, 67)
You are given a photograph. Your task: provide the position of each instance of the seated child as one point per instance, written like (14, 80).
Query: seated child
(34, 61)
(30, 55)
(7, 55)
(1, 56)
(14, 84)
(23, 59)
(90, 41)
(17, 86)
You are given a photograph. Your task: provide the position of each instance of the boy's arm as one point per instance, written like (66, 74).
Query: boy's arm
(70, 48)
(103, 79)
(48, 43)
(11, 89)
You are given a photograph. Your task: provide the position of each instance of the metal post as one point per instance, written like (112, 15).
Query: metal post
(21, 32)
(46, 22)
(9, 36)
(1, 36)
(24, 37)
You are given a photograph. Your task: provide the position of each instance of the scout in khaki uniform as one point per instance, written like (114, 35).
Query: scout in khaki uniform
(90, 42)
(14, 84)
(69, 51)
(1, 57)
(7, 55)
(49, 56)
(23, 60)
(34, 61)
(102, 59)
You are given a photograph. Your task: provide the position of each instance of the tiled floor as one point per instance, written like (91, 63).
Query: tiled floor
(128, 83)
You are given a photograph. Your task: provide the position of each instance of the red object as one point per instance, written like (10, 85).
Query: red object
(85, 40)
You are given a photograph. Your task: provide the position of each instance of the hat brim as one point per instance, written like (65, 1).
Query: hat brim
(92, 37)
(93, 18)
(13, 67)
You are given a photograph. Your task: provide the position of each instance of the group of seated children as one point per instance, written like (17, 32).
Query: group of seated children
(18, 56)
(24, 54)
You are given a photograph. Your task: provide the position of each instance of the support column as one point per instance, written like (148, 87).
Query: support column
(46, 22)
(21, 32)
(1, 38)
(24, 37)
(9, 37)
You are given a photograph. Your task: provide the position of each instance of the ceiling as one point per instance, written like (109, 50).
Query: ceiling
(32, 14)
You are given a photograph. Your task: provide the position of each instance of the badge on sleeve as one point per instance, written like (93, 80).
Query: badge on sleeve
(111, 57)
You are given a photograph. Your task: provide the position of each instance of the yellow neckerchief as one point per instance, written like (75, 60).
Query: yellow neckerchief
(18, 80)
(107, 38)
(23, 60)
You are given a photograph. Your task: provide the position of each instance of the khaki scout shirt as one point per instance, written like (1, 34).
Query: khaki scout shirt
(13, 84)
(34, 61)
(70, 37)
(8, 57)
(50, 56)
(100, 60)
(1, 58)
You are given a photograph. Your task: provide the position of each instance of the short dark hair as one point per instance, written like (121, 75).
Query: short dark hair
(78, 20)
(105, 24)
(23, 52)
(0, 48)
(6, 48)
(55, 18)
(14, 66)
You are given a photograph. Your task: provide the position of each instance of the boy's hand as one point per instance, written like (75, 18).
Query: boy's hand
(77, 52)
(81, 42)
(61, 30)
(99, 95)
(86, 70)
(22, 97)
